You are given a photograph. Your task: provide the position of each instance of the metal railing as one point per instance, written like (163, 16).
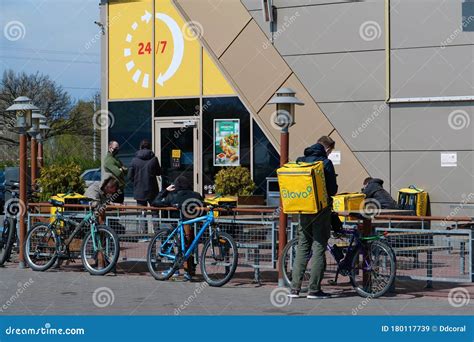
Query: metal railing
(432, 255)
(255, 239)
(422, 253)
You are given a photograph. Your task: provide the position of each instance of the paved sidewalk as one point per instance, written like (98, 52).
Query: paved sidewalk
(70, 292)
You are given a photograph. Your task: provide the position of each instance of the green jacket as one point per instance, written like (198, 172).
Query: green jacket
(113, 165)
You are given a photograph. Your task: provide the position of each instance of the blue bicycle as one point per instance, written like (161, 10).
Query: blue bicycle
(167, 251)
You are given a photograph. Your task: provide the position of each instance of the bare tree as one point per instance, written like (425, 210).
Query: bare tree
(53, 102)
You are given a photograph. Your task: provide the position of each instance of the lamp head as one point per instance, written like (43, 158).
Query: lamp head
(285, 101)
(23, 108)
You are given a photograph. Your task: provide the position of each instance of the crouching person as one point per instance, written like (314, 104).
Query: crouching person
(373, 190)
(105, 192)
(108, 192)
(180, 194)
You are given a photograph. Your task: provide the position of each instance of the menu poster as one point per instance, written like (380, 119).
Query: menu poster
(226, 142)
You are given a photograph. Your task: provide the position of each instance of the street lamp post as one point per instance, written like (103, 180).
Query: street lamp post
(43, 131)
(285, 101)
(34, 133)
(23, 109)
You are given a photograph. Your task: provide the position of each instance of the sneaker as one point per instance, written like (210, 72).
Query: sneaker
(294, 294)
(176, 274)
(187, 277)
(318, 295)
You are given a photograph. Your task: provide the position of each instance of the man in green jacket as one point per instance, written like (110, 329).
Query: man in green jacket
(114, 166)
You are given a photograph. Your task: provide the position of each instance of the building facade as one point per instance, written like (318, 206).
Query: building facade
(391, 81)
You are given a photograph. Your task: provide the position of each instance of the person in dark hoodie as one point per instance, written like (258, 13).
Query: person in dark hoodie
(315, 229)
(180, 194)
(373, 189)
(143, 171)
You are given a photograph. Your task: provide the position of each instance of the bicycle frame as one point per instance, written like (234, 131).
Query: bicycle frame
(355, 241)
(59, 217)
(207, 219)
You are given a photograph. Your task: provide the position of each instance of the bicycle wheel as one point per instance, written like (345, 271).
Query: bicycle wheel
(162, 267)
(373, 269)
(219, 259)
(7, 238)
(100, 252)
(40, 248)
(286, 266)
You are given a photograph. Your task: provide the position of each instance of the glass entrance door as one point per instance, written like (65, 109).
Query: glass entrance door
(176, 147)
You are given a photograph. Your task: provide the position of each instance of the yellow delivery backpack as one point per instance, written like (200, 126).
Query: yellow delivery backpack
(69, 198)
(414, 199)
(228, 201)
(302, 187)
(348, 201)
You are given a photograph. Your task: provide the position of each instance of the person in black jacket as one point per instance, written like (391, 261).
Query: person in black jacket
(315, 229)
(179, 193)
(373, 189)
(143, 171)
(189, 202)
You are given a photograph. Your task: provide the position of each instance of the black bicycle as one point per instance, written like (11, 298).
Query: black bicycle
(368, 261)
(8, 232)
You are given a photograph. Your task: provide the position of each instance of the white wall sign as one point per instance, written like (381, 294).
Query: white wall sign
(449, 159)
(335, 157)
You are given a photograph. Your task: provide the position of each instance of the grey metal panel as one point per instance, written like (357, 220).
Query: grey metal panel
(433, 23)
(444, 184)
(363, 125)
(377, 165)
(342, 77)
(433, 72)
(257, 4)
(458, 208)
(331, 28)
(448, 126)
(286, 3)
(252, 4)
(257, 16)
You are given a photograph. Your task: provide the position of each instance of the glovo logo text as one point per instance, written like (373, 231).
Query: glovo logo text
(297, 194)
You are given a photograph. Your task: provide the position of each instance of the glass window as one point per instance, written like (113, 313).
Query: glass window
(222, 108)
(131, 124)
(265, 159)
(177, 154)
(177, 107)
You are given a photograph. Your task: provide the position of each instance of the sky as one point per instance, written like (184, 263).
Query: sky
(53, 37)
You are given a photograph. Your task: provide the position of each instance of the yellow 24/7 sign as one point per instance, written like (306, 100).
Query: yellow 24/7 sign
(133, 47)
